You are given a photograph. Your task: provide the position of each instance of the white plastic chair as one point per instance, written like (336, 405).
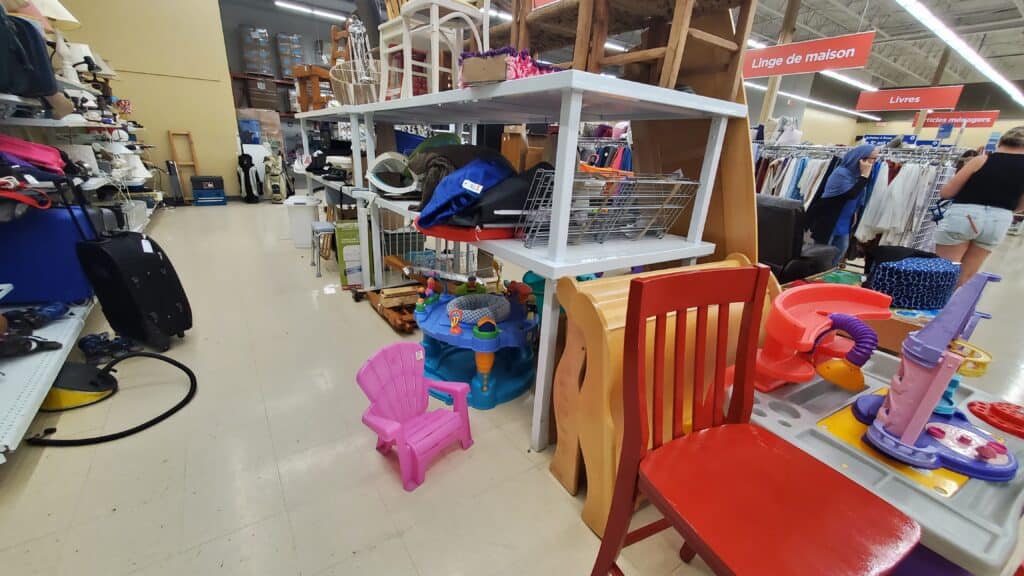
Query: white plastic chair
(425, 23)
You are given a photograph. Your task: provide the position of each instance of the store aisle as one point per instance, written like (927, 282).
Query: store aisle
(1003, 336)
(269, 470)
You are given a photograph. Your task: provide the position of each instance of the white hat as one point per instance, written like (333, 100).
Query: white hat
(55, 11)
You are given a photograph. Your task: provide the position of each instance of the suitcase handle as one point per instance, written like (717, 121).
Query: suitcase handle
(62, 186)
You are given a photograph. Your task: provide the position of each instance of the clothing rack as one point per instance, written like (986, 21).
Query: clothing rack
(919, 230)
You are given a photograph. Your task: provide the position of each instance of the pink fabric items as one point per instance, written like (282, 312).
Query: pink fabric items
(519, 64)
(46, 157)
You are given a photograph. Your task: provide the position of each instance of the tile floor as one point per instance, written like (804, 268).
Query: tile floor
(269, 470)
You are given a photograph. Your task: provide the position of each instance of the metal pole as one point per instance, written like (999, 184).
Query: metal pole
(940, 69)
(785, 36)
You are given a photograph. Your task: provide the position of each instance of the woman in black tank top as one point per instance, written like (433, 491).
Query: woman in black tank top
(985, 192)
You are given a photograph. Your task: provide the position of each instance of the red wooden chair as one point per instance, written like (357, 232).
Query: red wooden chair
(742, 498)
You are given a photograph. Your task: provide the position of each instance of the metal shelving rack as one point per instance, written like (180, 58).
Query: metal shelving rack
(566, 98)
(25, 380)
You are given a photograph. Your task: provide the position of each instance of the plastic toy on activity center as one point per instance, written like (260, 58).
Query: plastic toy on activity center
(800, 336)
(485, 340)
(916, 422)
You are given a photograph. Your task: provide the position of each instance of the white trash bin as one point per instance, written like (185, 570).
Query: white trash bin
(301, 214)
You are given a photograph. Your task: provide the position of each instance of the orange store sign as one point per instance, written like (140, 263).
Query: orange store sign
(910, 98)
(850, 51)
(978, 119)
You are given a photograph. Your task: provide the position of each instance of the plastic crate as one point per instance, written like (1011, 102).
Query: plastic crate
(212, 197)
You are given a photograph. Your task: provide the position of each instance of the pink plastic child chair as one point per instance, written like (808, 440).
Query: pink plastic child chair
(393, 380)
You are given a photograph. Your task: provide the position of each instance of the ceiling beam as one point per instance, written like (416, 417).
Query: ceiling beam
(884, 35)
(819, 34)
(1019, 4)
(963, 31)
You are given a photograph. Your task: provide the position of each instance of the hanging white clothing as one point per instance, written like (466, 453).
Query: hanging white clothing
(871, 219)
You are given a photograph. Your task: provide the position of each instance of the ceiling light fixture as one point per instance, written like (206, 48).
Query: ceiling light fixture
(813, 102)
(615, 47)
(830, 73)
(501, 15)
(930, 21)
(310, 11)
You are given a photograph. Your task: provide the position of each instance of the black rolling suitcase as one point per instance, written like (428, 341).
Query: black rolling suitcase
(137, 287)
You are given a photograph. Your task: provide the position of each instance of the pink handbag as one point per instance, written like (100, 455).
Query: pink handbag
(46, 157)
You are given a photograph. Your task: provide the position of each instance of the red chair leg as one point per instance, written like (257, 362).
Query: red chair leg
(615, 530)
(687, 553)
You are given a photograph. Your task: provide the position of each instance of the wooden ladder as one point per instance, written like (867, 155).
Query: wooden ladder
(179, 161)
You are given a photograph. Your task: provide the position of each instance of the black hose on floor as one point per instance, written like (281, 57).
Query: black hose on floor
(43, 439)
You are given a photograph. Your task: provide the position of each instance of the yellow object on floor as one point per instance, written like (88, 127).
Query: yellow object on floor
(58, 399)
(845, 426)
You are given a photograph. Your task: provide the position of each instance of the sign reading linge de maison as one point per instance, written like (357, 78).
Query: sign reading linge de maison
(850, 51)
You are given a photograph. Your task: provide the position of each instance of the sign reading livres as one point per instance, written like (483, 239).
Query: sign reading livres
(973, 119)
(910, 98)
(850, 51)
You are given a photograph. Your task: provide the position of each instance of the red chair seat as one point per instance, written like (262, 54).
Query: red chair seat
(763, 507)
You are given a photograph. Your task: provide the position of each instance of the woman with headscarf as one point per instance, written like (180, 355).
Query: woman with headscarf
(830, 219)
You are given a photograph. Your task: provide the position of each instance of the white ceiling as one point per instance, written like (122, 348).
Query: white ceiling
(905, 52)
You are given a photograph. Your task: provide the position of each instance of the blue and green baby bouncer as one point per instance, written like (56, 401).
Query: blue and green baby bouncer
(485, 340)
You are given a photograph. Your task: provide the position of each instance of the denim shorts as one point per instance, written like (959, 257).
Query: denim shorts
(986, 226)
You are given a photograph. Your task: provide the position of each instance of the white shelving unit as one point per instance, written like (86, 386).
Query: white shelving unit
(51, 123)
(25, 380)
(72, 85)
(12, 100)
(566, 98)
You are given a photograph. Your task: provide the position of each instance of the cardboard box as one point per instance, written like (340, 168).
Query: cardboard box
(263, 94)
(270, 123)
(484, 70)
(893, 331)
(350, 264)
(256, 51)
(289, 52)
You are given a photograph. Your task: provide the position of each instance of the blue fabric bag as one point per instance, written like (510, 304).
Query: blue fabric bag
(918, 283)
(460, 189)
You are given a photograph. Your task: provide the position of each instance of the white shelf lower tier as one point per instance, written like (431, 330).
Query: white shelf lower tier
(593, 258)
(26, 379)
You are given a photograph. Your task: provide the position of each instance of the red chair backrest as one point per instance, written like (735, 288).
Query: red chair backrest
(680, 294)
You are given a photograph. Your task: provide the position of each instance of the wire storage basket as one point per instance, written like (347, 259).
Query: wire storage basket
(355, 82)
(406, 253)
(607, 205)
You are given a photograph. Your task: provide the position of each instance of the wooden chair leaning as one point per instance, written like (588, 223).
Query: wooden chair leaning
(595, 20)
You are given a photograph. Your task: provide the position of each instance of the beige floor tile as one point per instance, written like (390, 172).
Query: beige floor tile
(388, 557)
(131, 472)
(337, 527)
(231, 480)
(39, 557)
(494, 529)
(126, 540)
(29, 511)
(261, 549)
(333, 468)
